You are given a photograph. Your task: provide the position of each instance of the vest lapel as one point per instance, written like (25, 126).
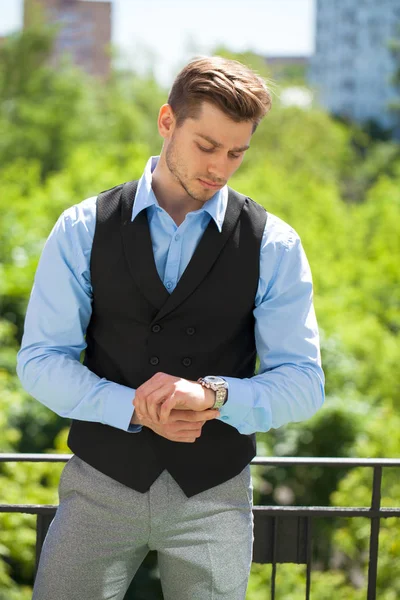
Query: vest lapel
(205, 255)
(138, 249)
(139, 252)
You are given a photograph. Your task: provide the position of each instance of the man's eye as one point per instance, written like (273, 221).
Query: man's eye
(234, 155)
(205, 149)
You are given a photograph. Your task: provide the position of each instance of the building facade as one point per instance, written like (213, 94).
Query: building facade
(352, 68)
(84, 34)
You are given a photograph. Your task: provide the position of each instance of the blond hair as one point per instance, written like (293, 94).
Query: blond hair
(228, 84)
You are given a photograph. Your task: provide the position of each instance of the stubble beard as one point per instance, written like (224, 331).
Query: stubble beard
(179, 172)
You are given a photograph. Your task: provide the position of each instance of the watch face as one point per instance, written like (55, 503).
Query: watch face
(214, 379)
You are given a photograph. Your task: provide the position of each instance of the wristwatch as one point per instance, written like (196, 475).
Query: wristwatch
(219, 386)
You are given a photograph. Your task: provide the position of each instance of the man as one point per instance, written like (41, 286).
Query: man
(171, 285)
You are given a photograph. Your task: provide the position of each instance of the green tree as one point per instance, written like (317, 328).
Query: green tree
(65, 137)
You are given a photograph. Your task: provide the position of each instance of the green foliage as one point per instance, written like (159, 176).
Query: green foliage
(352, 538)
(291, 583)
(46, 113)
(63, 138)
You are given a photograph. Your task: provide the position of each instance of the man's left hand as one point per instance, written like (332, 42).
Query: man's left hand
(159, 395)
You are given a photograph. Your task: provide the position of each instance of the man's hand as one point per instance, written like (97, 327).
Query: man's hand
(182, 426)
(157, 397)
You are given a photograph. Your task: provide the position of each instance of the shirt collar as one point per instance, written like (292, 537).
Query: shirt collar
(145, 197)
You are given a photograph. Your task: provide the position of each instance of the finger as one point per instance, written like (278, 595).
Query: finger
(183, 415)
(193, 416)
(137, 406)
(152, 384)
(185, 428)
(153, 399)
(149, 401)
(141, 406)
(153, 409)
(177, 436)
(166, 408)
(154, 402)
(208, 415)
(141, 398)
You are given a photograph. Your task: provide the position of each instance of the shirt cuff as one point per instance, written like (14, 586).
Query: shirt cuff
(134, 428)
(118, 408)
(239, 404)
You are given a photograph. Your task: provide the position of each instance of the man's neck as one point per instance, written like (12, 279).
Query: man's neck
(170, 194)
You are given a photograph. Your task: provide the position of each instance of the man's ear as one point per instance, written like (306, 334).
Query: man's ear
(166, 121)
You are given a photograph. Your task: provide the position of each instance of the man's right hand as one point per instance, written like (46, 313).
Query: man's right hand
(182, 425)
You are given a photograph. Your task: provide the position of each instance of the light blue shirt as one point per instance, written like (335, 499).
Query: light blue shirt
(289, 384)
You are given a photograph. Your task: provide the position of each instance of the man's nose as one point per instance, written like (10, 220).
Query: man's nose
(217, 169)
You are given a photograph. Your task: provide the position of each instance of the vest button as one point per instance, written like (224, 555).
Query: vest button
(187, 362)
(156, 328)
(154, 360)
(190, 330)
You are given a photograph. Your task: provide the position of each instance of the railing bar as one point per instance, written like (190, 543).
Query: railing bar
(373, 559)
(258, 460)
(374, 536)
(32, 509)
(328, 511)
(325, 461)
(318, 511)
(274, 544)
(383, 513)
(309, 532)
(46, 512)
(376, 488)
(15, 457)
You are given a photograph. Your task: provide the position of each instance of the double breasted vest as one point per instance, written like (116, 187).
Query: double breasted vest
(137, 328)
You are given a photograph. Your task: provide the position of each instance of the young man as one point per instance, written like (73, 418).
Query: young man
(172, 285)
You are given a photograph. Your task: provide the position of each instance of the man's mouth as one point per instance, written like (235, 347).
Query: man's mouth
(210, 185)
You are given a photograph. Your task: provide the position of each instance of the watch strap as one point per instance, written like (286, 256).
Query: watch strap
(221, 391)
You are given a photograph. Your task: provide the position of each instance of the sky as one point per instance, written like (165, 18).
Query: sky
(166, 33)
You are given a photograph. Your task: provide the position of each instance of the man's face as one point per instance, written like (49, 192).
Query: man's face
(203, 153)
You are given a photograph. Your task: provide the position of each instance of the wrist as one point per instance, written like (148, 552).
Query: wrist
(218, 386)
(209, 397)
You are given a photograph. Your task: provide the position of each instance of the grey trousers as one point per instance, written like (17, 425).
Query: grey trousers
(103, 530)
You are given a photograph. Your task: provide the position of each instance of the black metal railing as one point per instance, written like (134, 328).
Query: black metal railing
(282, 534)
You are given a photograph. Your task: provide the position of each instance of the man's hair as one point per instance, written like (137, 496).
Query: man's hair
(232, 87)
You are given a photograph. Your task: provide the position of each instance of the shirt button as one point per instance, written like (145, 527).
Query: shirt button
(169, 285)
(154, 360)
(156, 328)
(187, 362)
(190, 330)
(177, 237)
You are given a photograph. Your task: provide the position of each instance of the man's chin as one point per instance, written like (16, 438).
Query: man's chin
(203, 194)
(197, 192)
(199, 195)
(204, 197)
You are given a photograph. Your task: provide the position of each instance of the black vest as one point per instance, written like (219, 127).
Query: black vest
(204, 327)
